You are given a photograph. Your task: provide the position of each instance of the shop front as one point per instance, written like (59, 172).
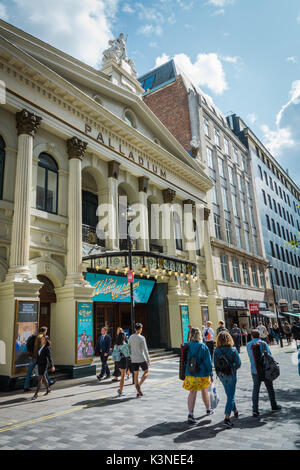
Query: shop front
(236, 311)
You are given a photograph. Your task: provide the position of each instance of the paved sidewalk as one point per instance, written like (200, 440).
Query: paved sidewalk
(88, 415)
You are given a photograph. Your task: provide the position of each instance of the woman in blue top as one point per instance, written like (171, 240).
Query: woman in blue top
(198, 373)
(227, 361)
(121, 355)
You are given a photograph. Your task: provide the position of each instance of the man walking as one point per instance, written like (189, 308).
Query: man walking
(255, 349)
(262, 331)
(103, 350)
(221, 327)
(139, 357)
(236, 335)
(208, 337)
(33, 345)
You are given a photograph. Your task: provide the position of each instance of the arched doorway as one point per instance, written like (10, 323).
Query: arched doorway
(47, 297)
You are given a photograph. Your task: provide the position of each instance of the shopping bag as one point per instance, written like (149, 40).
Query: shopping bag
(213, 396)
(183, 360)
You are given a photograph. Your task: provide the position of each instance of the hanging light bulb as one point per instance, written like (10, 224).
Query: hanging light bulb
(116, 271)
(164, 271)
(144, 268)
(170, 273)
(148, 275)
(176, 273)
(187, 276)
(181, 274)
(107, 270)
(97, 267)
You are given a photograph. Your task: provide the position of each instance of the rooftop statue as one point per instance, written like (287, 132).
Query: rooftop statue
(117, 51)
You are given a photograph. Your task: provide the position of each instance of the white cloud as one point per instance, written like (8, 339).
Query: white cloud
(80, 28)
(148, 29)
(220, 3)
(284, 140)
(161, 60)
(221, 11)
(252, 118)
(206, 71)
(127, 8)
(153, 44)
(3, 13)
(292, 59)
(230, 59)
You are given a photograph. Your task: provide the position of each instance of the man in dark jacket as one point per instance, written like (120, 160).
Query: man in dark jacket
(103, 350)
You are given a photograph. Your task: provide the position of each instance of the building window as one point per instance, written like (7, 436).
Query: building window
(236, 271)
(279, 210)
(240, 184)
(254, 276)
(230, 172)
(2, 161)
(287, 280)
(129, 118)
(236, 156)
(282, 279)
(271, 183)
(217, 226)
(264, 197)
(260, 172)
(274, 226)
(47, 183)
(234, 205)
(226, 147)
(268, 222)
(178, 232)
(221, 166)
(276, 189)
(210, 161)
(272, 249)
(247, 240)
(244, 163)
(246, 274)
(270, 201)
(224, 198)
(262, 279)
(206, 126)
(266, 178)
(276, 277)
(238, 236)
(214, 196)
(282, 254)
(217, 138)
(228, 231)
(275, 206)
(224, 268)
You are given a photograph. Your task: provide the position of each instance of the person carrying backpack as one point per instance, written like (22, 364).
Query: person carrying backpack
(121, 355)
(33, 344)
(255, 350)
(198, 373)
(227, 361)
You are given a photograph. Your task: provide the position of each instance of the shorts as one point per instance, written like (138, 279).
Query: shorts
(123, 363)
(136, 365)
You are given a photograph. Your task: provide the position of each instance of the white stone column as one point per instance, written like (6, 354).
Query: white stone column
(143, 242)
(168, 222)
(27, 124)
(76, 151)
(112, 242)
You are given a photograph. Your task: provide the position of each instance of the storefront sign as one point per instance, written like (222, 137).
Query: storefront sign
(235, 304)
(263, 306)
(27, 312)
(117, 289)
(84, 337)
(185, 321)
(253, 307)
(130, 276)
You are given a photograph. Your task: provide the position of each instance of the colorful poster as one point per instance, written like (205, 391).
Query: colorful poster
(185, 321)
(116, 288)
(84, 331)
(26, 325)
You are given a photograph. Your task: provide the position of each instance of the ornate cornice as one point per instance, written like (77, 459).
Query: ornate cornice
(143, 184)
(27, 123)
(168, 195)
(206, 213)
(189, 202)
(113, 169)
(76, 148)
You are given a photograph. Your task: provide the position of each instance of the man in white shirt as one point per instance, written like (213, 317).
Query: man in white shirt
(263, 331)
(139, 356)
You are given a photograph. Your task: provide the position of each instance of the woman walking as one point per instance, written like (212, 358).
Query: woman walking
(198, 373)
(287, 331)
(208, 337)
(117, 373)
(227, 361)
(120, 355)
(44, 359)
(276, 332)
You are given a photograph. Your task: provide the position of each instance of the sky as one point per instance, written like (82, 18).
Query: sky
(244, 53)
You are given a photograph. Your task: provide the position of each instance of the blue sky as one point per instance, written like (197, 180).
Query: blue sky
(244, 53)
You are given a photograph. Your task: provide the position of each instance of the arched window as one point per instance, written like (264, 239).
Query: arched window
(130, 118)
(2, 160)
(47, 181)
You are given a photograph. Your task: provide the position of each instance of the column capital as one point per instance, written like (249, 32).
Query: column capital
(76, 148)
(143, 184)
(189, 202)
(27, 122)
(206, 213)
(168, 195)
(113, 169)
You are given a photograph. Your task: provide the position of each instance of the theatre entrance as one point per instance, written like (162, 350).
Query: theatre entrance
(111, 315)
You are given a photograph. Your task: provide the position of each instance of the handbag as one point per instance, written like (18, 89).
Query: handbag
(213, 396)
(183, 360)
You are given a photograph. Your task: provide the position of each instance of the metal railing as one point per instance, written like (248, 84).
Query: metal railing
(89, 235)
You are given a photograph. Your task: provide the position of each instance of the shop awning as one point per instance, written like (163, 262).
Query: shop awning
(270, 314)
(293, 314)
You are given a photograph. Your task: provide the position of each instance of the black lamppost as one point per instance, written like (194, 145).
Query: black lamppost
(130, 214)
(270, 267)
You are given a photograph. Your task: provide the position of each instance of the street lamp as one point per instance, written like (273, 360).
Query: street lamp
(130, 215)
(270, 267)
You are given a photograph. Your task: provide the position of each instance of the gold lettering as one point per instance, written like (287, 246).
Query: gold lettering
(163, 174)
(154, 168)
(109, 144)
(88, 128)
(120, 149)
(100, 137)
(131, 156)
(141, 161)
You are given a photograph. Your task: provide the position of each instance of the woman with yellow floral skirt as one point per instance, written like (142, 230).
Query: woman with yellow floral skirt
(198, 373)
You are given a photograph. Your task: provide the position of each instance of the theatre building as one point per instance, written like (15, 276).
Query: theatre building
(78, 147)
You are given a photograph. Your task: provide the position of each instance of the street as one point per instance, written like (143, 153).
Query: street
(86, 414)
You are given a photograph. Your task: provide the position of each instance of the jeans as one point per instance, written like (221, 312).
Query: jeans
(229, 384)
(255, 394)
(31, 367)
(104, 368)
